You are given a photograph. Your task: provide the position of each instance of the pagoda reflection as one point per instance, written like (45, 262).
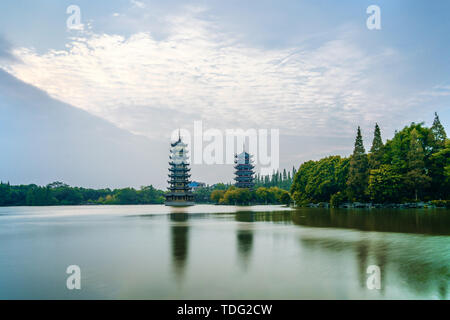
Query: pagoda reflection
(179, 236)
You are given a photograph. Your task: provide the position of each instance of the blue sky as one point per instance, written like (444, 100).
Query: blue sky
(310, 68)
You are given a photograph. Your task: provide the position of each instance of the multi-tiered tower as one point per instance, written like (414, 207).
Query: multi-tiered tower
(179, 191)
(244, 170)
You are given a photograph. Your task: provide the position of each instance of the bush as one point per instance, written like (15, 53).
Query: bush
(441, 203)
(337, 199)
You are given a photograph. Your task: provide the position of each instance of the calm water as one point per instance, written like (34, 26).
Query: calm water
(215, 252)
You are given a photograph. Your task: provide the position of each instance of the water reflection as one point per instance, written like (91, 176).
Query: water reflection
(214, 252)
(362, 253)
(179, 235)
(244, 236)
(420, 267)
(425, 221)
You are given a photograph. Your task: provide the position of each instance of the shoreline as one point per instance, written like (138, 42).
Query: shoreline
(323, 205)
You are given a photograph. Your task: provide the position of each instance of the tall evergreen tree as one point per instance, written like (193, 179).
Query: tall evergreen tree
(358, 171)
(439, 134)
(416, 177)
(376, 151)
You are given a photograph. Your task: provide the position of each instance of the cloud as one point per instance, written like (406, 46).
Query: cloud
(151, 86)
(137, 4)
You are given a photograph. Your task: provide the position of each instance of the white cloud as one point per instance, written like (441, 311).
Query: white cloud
(137, 4)
(150, 86)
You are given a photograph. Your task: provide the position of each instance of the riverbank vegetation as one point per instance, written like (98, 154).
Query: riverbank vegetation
(58, 193)
(261, 195)
(413, 166)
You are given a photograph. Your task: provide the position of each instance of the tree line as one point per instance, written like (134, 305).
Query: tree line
(413, 166)
(244, 196)
(280, 179)
(58, 193)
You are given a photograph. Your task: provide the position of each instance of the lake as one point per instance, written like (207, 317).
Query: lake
(223, 252)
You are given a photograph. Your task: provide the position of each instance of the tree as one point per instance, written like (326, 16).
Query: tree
(384, 184)
(217, 195)
(358, 170)
(440, 172)
(439, 134)
(40, 196)
(243, 196)
(416, 177)
(316, 181)
(262, 195)
(127, 196)
(5, 194)
(376, 151)
(285, 198)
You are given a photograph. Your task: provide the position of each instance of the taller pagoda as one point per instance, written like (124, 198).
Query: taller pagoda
(244, 170)
(179, 194)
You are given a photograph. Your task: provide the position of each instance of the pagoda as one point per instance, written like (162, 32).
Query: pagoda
(179, 194)
(244, 170)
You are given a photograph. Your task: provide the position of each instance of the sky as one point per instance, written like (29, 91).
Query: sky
(311, 69)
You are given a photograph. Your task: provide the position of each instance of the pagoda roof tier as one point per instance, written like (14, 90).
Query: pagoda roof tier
(180, 179)
(188, 193)
(177, 150)
(179, 169)
(244, 185)
(182, 175)
(245, 162)
(182, 163)
(180, 188)
(244, 166)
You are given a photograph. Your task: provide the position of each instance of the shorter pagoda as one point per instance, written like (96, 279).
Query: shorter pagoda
(244, 170)
(179, 194)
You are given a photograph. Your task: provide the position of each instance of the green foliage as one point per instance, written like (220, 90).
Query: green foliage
(384, 184)
(375, 156)
(217, 195)
(416, 177)
(438, 132)
(58, 193)
(236, 196)
(285, 198)
(317, 181)
(204, 194)
(441, 203)
(337, 199)
(358, 171)
(282, 180)
(414, 164)
(263, 195)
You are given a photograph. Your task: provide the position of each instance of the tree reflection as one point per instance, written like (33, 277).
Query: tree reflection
(362, 253)
(423, 221)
